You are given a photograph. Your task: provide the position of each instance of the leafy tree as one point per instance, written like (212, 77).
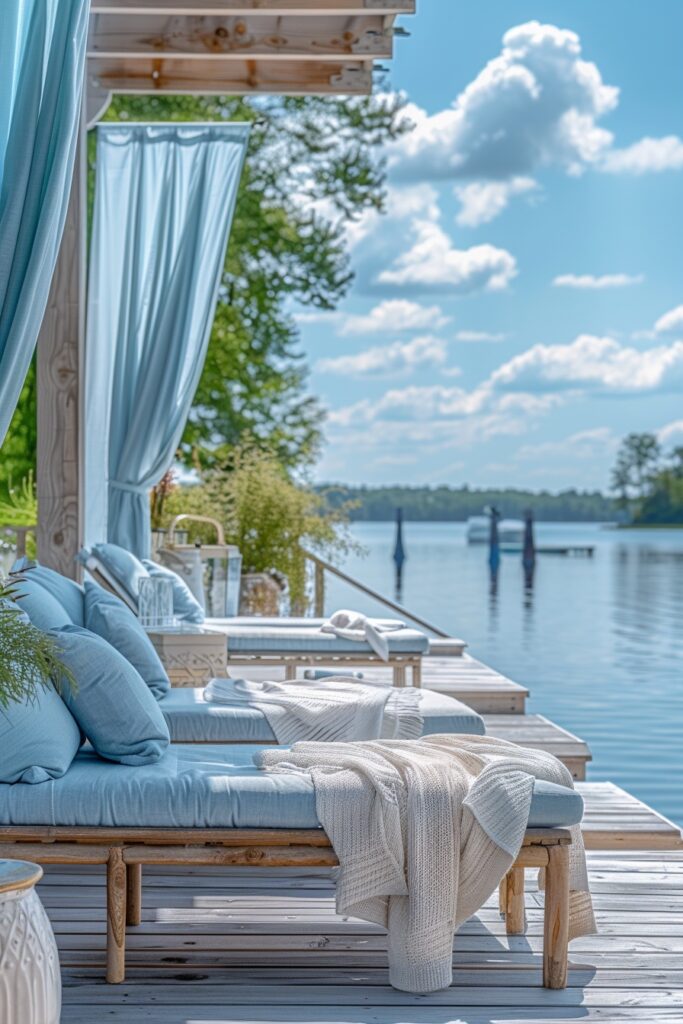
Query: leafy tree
(313, 165)
(637, 460)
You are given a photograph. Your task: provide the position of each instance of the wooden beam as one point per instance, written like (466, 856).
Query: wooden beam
(239, 38)
(253, 7)
(58, 478)
(284, 78)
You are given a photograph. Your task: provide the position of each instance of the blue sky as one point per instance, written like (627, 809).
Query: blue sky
(520, 307)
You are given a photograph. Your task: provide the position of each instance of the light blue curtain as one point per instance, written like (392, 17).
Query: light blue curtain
(42, 61)
(164, 200)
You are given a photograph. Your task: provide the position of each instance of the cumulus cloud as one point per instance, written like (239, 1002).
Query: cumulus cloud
(646, 157)
(476, 336)
(671, 433)
(591, 282)
(433, 264)
(671, 322)
(585, 444)
(385, 360)
(592, 363)
(483, 201)
(396, 315)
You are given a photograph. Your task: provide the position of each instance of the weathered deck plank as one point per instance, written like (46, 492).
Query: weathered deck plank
(219, 946)
(539, 733)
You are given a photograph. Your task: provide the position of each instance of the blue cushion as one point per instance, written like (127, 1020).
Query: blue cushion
(185, 605)
(38, 739)
(111, 703)
(191, 719)
(203, 787)
(299, 640)
(107, 615)
(42, 608)
(66, 591)
(123, 566)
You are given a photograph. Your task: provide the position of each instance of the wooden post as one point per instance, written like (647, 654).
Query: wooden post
(514, 901)
(116, 916)
(59, 364)
(319, 591)
(556, 918)
(133, 894)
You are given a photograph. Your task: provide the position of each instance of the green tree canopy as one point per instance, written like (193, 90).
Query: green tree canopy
(313, 165)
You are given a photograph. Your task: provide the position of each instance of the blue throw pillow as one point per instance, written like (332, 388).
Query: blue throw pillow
(107, 615)
(66, 591)
(111, 703)
(123, 566)
(44, 610)
(38, 739)
(185, 604)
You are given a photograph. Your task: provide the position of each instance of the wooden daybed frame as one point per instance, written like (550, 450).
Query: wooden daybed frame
(125, 851)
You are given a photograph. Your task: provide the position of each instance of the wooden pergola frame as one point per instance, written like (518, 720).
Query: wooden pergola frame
(172, 47)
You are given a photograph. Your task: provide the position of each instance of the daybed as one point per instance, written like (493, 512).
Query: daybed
(209, 805)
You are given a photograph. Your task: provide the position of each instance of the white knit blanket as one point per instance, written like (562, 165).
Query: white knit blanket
(355, 626)
(336, 709)
(425, 831)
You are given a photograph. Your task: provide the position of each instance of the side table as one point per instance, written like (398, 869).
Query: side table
(30, 982)
(191, 655)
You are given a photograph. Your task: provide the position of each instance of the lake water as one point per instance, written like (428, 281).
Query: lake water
(598, 641)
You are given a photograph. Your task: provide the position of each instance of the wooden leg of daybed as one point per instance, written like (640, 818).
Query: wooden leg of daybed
(514, 901)
(116, 916)
(556, 918)
(133, 894)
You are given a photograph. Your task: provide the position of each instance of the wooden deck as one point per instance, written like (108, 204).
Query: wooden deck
(539, 733)
(472, 682)
(219, 946)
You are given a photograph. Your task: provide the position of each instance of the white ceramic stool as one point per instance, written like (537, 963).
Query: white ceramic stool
(30, 982)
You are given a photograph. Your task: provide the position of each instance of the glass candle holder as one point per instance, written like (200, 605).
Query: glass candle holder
(155, 603)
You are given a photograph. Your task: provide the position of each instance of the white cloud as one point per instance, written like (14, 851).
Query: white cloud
(402, 204)
(384, 360)
(585, 444)
(591, 282)
(672, 432)
(671, 322)
(537, 103)
(432, 264)
(646, 157)
(482, 201)
(396, 315)
(477, 336)
(592, 363)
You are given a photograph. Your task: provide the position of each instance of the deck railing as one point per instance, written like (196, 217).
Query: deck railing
(320, 567)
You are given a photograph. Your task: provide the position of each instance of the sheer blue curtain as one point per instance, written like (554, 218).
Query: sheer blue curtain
(42, 59)
(164, 200)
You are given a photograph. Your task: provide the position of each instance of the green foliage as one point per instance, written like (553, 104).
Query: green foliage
(649, 483)
(19, 447)
(306, 155)
(444, 504)
(20, 509)
(267, 515)
(29, 658)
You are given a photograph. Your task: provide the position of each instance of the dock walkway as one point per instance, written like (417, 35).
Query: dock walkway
(222, 947)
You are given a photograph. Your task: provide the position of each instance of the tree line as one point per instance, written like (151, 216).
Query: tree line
(438, 504)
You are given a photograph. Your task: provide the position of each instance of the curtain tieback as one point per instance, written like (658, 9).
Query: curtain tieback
(131, 488)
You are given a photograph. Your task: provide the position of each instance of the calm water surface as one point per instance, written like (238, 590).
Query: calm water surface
(599, 642)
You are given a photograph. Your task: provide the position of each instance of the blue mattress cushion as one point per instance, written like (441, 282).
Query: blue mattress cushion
(186, 607)
(111, 703)
(107, 615)
(191, 719)
(69, 593)
(43, 609)
(299, 640)
(203, 787)
(38, 738)
(123, 566)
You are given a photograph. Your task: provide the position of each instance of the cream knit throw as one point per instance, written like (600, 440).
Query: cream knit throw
(424, 831)
(336, 709)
